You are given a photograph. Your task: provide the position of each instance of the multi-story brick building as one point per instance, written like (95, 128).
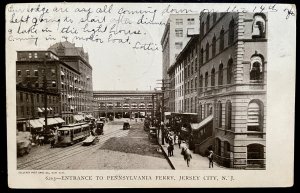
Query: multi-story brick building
(81, 83)
(233, 61)
(177, 33)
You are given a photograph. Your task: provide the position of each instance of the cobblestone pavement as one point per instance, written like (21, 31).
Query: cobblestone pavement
(116, 149)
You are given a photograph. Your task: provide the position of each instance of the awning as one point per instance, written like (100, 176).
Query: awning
(62, 83)
(59, 120)
(50, 121)
(62, 73)
(39, 110)
(196, 126)
(50, 109)
(78, 117)
(35, 124)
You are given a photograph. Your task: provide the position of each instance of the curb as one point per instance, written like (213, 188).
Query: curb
(167, 157)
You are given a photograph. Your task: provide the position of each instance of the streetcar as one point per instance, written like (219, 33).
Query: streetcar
(70, 134)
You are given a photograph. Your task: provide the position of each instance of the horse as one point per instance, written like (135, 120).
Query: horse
(187, 155)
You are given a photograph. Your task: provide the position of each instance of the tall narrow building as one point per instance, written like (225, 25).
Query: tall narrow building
(178, 31)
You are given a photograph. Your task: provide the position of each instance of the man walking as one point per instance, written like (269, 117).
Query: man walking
(210, 158)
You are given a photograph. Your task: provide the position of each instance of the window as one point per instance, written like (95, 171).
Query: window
(191, 21)
(202, 29)
(256, 69)
(190, 31)
(207, 52)
(231, 32)
(36, 73)
(36, 84)
(192, 68)
(255, 116)
(213, 77)
(255, 156)
(179, 32)
(259, 26)
(178, 45)
(21, 97)
(52, 72)
(38, 98)
(19, 73)
(206, 80)
(213, 46)
(27, 99)
(214, 17)
(179, 21)
(200, 111)
(220, 78)
(230, 71)
(201, 83)
(53, 84)
(28, 110)
(220, 114)
(35, 55)
(201, 56)
(228, 115)
(22, 110)
(27, 73)
(221, 43)
(196, 84)
(207, 23)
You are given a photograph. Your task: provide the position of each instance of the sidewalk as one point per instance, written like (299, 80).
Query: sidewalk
(197, 162)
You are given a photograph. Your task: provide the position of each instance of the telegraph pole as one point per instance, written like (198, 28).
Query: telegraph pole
(45, 95)
(163, 112)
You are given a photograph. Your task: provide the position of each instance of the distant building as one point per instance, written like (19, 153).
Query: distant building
(125, 103)
(177, 33)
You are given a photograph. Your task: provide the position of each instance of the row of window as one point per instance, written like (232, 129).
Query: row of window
(179, 32)
(35, 72)
(24, 97)
(190, 21)
(29, 111)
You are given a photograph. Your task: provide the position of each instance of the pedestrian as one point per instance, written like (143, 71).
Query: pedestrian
(179, 141)
(41, 140)
(210, 158)
(52, 141)
(171, 144)
(169, 150)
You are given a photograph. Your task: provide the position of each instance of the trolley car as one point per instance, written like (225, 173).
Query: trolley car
(70, 134)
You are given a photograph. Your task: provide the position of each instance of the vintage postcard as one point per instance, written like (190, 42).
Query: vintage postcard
(119, 95)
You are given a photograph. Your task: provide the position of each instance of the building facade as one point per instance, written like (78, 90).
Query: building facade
(67, 73)
(226, 87)
(177, 33)
(81, 85)
(125, 104)
(232, 78)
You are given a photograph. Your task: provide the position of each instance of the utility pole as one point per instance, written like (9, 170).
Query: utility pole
(162, 112)
(45, 95)
(152, 107)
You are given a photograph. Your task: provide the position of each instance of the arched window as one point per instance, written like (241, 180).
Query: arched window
(231, 32)
(255, 116)
(256, 69)
(212, 78)
(213, 46)
(207, 52)
(207, 23)
(259, 26)
(255, 156)
(201, 56)
(228, 115)
(230, 71)
(221, 43)
(220, 77)
(202, 29)
(201, 83)
(206, 80)
(220, 114)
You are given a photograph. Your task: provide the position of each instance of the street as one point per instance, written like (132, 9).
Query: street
(116, 149)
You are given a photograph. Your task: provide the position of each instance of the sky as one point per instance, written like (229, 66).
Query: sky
(116, 66)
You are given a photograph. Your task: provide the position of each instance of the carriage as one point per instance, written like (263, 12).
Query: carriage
(99, 127)
(71, 134)
(126, 126)
(152, 135)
